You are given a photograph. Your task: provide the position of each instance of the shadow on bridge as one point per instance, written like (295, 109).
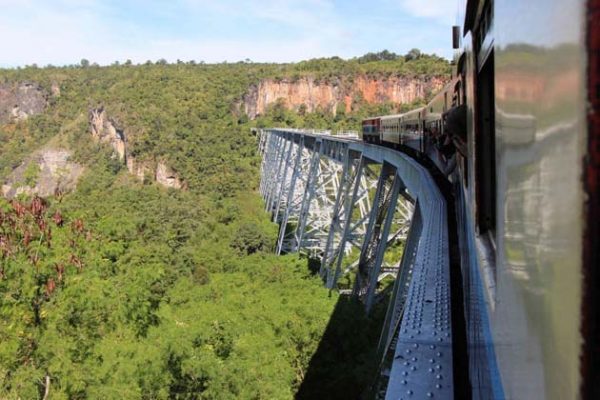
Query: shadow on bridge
(343, 365)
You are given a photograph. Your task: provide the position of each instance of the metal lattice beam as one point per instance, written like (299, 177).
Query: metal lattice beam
(333, 194)
(375, 243)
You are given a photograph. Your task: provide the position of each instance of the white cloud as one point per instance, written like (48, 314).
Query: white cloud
(444, 11)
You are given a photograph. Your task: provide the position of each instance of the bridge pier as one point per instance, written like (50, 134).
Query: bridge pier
(375, 241)
(352, 229)
(294, 194)
(311, 187)
(340, 206)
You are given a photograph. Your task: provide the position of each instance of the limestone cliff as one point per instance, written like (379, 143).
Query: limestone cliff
(166, 176)
(328, 95)
(106, 130)
(45, 173)
(20, 100)
(156, 170)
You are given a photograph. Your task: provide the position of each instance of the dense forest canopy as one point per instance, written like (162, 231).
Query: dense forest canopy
(124, 289)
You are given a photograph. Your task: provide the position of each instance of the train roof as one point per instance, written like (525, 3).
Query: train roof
(406, 114)
(411, 113)
(384, 117)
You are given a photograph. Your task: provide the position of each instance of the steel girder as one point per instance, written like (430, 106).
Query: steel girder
(292, 203)
(319, 192)
(320, 189)
(375, 241)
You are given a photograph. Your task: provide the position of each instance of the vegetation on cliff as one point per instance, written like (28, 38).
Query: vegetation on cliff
(126, 290)
(383, 63)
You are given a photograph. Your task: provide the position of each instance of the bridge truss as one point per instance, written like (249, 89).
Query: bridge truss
(350, 204)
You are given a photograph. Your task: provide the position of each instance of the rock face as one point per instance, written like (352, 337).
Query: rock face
(105, 130)
(139, 169)
(167, 177)
(313, 94)
(45, 173)
(18, 101)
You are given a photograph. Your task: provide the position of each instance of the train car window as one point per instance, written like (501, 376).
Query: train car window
(471, 12)
(485, 143)
(457, 96)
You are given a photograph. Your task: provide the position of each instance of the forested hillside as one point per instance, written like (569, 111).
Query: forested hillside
(120, 288)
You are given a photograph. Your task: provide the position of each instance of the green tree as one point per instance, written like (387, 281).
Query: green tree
(413, 54)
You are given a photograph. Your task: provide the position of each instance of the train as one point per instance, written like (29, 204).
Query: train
(514, 140)
(422, 129)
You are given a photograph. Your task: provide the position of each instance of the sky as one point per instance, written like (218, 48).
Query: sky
(62, 32)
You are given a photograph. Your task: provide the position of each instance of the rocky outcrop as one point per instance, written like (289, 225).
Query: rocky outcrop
(19, 101)
(140, 170)
(166, 176)
(329, 95)
(106, 130)
(45, 173)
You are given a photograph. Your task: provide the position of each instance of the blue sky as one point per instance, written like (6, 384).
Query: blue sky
(62, 32)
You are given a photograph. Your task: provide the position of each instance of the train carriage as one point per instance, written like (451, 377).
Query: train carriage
(522, 113)
(390, 128)
(412, 129)
(370, 130)
(403, 129)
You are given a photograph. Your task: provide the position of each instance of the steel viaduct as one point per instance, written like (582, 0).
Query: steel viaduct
(349, 203)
